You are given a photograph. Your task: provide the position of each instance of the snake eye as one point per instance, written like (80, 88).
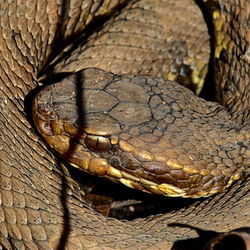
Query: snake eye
(97, 143)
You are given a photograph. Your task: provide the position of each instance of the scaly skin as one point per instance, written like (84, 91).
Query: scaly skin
(146, 133)
(35, 211)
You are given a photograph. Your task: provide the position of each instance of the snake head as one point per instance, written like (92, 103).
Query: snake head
(148, 134)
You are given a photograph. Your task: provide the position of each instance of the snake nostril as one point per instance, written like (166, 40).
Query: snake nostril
(45, 126)
(97, 143)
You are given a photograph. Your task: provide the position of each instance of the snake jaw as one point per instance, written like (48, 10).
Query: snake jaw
(83, 160)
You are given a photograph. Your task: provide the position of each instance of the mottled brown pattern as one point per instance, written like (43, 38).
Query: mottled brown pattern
(33, 213)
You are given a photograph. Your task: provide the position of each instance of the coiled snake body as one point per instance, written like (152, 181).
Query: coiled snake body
(140, 151)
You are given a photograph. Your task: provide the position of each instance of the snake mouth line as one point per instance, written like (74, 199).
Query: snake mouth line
(93, 154)
(98, 166)
(144, 185)
(102, 167)
(98, 143)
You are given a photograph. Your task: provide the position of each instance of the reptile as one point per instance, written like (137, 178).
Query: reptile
(40, 206)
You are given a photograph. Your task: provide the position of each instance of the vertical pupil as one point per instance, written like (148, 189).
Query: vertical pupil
(97, 143)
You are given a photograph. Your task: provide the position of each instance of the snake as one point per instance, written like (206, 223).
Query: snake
(176, 134)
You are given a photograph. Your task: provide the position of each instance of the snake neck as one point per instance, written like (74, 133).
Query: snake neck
(231, 21)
